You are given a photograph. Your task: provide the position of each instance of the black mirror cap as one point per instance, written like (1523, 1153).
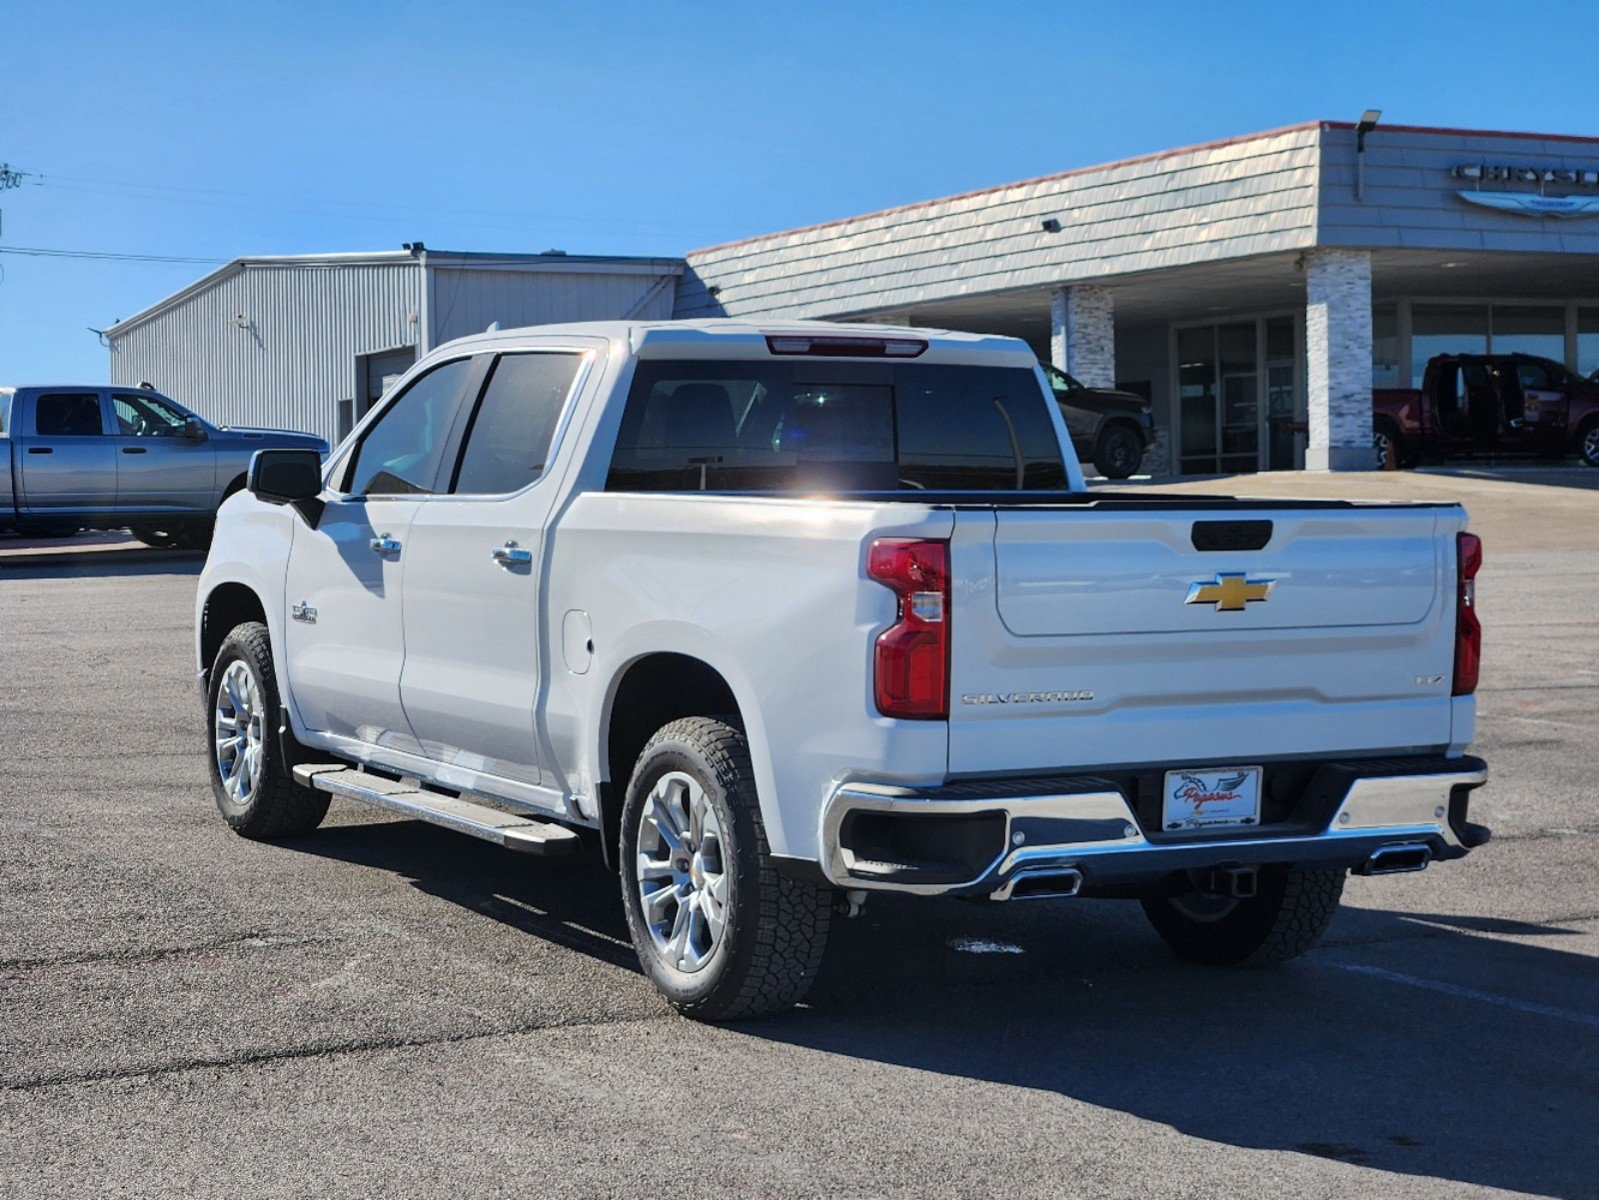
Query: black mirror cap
(285, 476)
(194, 429)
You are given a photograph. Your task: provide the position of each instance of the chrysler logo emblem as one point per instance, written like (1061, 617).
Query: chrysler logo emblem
(1230, 593)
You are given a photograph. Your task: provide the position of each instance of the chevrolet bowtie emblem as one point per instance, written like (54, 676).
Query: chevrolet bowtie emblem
(1229, 593)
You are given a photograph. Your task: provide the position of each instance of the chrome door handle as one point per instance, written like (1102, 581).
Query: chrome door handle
(385, 545)
(511, 555)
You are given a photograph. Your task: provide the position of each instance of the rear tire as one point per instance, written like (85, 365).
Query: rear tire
(1290, 910)
(1119, 452)
(160, 539)
(1392, 453)
(1588, 443)
(251, 772)
(718, 931)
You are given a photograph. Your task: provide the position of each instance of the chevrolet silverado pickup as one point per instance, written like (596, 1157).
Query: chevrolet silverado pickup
(780, 617)
(91, 457)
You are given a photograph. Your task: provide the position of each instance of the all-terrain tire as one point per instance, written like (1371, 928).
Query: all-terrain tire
(775, 930)
(263, 802)
(1290, 910)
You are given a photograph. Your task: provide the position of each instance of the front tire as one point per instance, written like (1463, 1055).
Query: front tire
(718, 931)
(1290, 910)
(1119, 452)
(251, 776)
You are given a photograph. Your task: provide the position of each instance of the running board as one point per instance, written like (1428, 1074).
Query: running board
(514, 831)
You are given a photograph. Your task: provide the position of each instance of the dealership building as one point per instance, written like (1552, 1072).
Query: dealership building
(1255, 289)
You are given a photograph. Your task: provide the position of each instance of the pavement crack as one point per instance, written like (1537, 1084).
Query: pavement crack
(326, 1050)
(248, 940)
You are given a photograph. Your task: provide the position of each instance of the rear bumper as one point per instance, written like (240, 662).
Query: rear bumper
(986, 839)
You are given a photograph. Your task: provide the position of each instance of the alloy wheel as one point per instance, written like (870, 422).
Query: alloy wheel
(238, 729)
(681, 870)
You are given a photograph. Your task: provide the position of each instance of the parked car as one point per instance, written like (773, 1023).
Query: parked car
(1488, 404)
(782, 617)
(89, 457)
(1108, 428)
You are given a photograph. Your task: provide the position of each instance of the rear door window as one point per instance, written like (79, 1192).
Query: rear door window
(820, 426)
(68, 414)
(509, 440)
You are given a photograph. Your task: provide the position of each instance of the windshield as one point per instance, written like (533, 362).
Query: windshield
(830, 426)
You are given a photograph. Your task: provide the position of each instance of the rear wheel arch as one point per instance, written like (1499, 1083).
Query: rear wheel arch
(650, 692)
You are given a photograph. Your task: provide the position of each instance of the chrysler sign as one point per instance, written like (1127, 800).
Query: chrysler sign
(1530, 204)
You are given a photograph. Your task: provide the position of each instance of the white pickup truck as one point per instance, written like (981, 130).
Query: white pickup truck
(782, 616)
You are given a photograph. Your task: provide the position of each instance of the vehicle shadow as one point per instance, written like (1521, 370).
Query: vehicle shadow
(1331, 1057)
(96, 566)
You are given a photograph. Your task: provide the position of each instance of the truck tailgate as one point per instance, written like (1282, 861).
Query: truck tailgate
(1102, 637)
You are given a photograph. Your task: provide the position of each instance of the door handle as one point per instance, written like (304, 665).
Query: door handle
(40, 450)
(133, 449)
(385, 545)
(511, 555)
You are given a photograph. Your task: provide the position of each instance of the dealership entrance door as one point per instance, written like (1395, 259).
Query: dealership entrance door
(1240, 397)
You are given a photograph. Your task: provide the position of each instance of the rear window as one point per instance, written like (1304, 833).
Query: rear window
(815, 426)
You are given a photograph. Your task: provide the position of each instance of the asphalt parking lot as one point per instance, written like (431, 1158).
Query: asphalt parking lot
(383, 1008)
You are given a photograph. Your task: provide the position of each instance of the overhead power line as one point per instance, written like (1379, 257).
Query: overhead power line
(46, 252)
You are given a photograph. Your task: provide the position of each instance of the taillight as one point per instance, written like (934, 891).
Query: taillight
(1468, 630)
(912, 655)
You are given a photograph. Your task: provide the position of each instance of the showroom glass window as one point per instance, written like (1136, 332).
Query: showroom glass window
(400, 455)
(508, 442)
(1588, 342)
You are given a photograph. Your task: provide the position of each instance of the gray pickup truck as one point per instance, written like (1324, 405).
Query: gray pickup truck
(89, 457)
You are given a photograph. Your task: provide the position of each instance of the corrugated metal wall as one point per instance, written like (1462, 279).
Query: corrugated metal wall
(304, 327)
(1252, 196)
(291, 359)
(466, 300)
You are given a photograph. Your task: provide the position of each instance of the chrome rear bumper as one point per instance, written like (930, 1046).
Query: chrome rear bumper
(1083, 834)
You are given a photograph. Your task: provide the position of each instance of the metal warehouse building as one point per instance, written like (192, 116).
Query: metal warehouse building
(309, 341)
(1255, 289)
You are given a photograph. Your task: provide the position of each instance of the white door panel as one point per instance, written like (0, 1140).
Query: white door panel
(344, 636)
(471, 674)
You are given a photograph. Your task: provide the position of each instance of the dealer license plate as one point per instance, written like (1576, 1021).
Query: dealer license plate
(1213, 798)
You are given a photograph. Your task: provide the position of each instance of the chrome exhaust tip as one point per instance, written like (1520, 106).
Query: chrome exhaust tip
(1397, 860)
(1041, 883)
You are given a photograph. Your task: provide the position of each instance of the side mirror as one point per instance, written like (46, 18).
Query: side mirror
(194, 430)
(285, 476)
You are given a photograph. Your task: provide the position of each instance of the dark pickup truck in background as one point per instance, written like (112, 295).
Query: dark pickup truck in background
(1111, 429)
(1488, 404)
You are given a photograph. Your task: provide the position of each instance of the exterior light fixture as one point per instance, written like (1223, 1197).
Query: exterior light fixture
(1368, 122)
(1050, 225)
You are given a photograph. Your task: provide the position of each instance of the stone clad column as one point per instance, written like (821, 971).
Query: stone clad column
(1082, 334)
(1338, 360)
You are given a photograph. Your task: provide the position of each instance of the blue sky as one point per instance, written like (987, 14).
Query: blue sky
(215, 130)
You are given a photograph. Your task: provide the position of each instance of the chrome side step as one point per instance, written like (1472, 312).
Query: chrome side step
(514, 831)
